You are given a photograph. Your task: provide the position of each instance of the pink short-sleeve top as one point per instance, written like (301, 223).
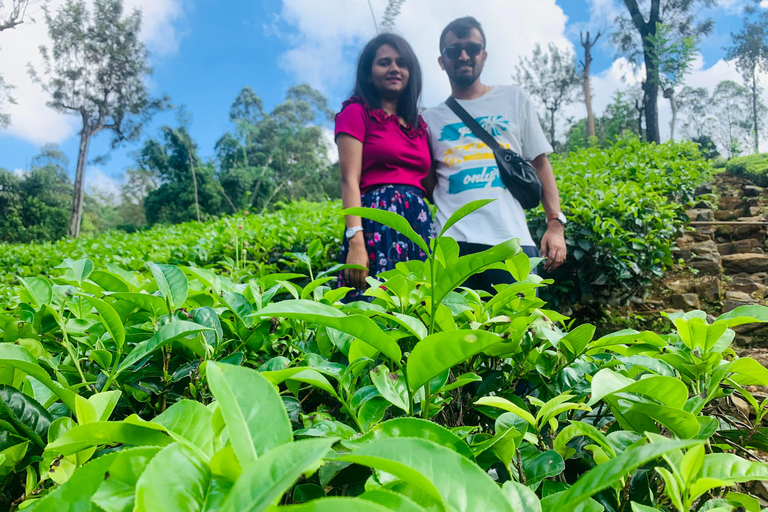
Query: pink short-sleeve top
(393, 154)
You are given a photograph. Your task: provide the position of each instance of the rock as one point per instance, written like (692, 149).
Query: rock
(744, 246)
(755, 211)
(749, 263)
(742, 406)
(735, 299)
(729, 202)
(711, 318)
(750, 288)
(707, 247)
(685, 301)
(710, 288)
(704, 233)
(680, 286)
(706, 264)
(725, 248)
(699, 214)
(752, 191)
(684, 242)
(704, 188)
(725, 215)
(745, 278)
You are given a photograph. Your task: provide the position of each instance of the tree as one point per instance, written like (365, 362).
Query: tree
(96, 68)
(674, 57)
(617, 121)
(750, 51)
(551, 77)
(139, 183)
(275, 155)
(730, 102)
(634, 37)
(182, 195)
(695, 106)
(588, 43)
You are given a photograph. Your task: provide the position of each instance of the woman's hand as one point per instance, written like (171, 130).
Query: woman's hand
(357, 255)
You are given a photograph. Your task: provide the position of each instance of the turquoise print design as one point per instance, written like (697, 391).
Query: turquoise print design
(495, 125)
(477, 177)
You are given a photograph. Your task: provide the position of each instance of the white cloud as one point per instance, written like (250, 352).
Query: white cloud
(97, 181)
(31, 119)
(331, 33)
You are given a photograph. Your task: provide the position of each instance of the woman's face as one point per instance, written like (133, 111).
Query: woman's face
(389, 72)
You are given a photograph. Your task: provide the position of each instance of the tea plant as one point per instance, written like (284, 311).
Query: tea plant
(186, 389)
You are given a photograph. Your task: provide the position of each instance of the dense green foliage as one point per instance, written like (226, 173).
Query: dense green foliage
(180, 388)
(625, 205)
(751, 167)
(258, 245)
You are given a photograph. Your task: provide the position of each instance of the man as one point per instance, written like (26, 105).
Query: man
(465, 169)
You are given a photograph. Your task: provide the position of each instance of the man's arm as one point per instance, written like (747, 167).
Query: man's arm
(553, 242)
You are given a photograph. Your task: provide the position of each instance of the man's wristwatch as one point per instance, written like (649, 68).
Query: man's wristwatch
(559, 217)
(350, 232)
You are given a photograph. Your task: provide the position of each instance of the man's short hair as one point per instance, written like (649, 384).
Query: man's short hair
(461, 27)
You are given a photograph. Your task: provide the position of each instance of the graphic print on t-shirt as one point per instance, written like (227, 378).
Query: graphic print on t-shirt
(475, 177)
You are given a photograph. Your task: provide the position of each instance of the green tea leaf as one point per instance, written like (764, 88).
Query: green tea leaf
(110, 319)
(20, 358)
(463, 212)
(252, 409)
(390, 219)
(100, 433)
(25, 414)
(165, 335)
(175, 479)
(172, 283)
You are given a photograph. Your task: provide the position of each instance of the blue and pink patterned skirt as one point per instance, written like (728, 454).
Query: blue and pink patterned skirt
(386, 247)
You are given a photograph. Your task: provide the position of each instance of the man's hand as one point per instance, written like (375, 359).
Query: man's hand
(553, 246)
(357, 255)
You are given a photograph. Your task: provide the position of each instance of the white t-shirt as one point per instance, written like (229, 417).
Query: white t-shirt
(466, 168)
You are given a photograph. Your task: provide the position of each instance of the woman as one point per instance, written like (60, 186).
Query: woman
(384, 156)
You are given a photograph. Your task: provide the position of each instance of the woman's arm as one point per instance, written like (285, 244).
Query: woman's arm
(351, 164)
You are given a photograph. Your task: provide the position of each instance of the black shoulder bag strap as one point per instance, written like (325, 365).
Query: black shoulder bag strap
(473, 125)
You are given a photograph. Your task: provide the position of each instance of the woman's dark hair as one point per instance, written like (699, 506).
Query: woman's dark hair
(408, 103)
(461, 27)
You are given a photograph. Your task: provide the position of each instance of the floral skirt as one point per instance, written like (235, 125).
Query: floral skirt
(386, 247)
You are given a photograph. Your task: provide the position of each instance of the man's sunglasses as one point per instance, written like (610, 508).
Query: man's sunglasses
(453, 52)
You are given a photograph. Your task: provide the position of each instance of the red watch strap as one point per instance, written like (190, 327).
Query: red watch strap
(554, 216)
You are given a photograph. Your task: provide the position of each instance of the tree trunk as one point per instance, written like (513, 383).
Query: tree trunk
(651, 101)
(194, 182)
(79, 192)
(670, 95)
(588, 44)
(552, 127)
(754, 110)
(257, 187)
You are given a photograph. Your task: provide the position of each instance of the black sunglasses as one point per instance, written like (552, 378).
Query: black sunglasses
(453, 52)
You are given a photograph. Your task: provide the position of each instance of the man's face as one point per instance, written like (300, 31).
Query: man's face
(462, 67)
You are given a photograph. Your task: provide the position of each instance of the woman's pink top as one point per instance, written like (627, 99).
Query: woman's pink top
(393, 154)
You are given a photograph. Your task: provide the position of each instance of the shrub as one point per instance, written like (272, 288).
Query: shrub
(751, 167)
(625, 205)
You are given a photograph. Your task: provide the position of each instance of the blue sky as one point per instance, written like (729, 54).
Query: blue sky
(204, 52)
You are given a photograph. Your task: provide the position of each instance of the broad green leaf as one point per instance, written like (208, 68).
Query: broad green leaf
(252, 409)
(577, 340)
(463, 212)
(152, 303)
(207, 317)
(358, 326)
(110, 282)
(417, 428)
(110, 319)
(117, 492)
(301, 374)
(75, 494)
(39, 290)
(521, 497)
(11, 456)
(438, 471)
(172, 283)
(189, 420)
(746, 371)
(544, 465)
(175, 479)
(342, 505)
(503, 403)
(391, 386)
(681, 423)
(579, 428)
(20, 358)
(732, 468)
(166, 334)
(100, 433)
(442, 351)
(636, 507)
(104, 403)
(588, 505)
(390, 219)
(667, 390)
(460, 269)
(745, 315)
(262, 483)
(627, 337)
(606, 475)
(696, 333)
(77, 270)
(390, 501)
(25, 414)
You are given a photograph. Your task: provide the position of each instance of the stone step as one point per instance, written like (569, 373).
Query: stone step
(749, 263)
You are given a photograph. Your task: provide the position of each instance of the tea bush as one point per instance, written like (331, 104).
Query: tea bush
(180, 388)
(752, 167)
(625, 206)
